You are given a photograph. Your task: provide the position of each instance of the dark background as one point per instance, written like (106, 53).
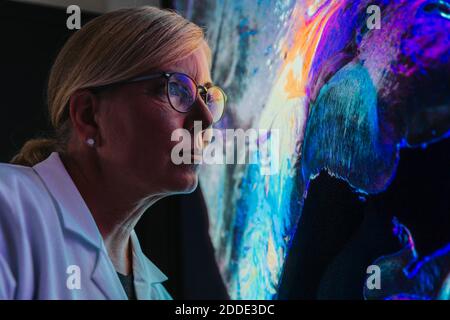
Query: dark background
(338, 236)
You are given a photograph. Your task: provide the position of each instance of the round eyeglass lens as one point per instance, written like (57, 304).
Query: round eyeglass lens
(215, 99)
(181, 92)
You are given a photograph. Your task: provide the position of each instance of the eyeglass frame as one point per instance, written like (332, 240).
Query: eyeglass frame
(167, 75)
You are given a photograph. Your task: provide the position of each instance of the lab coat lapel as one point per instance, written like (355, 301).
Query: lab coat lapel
(74, 213)
(106, 279)
(77, 219)
(145, 273)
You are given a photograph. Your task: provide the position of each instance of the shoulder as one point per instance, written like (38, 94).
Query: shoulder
(23, 213)
(12, 175)
(27, 211)
(20, 188)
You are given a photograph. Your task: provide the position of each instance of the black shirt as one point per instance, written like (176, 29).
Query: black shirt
(128, 285)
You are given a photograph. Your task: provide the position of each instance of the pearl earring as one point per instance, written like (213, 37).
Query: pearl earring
(90, 142)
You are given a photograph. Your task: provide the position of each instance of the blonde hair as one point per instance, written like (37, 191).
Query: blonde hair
(110, 48)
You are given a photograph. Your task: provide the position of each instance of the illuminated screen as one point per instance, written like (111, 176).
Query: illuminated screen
(340, 86)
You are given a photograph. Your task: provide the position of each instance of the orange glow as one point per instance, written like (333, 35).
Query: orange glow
(306, 37)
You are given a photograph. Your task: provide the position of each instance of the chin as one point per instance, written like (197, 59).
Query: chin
(185, 181)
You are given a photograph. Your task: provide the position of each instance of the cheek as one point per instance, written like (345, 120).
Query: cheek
(157, 126)
(145, 132)
(139, 142)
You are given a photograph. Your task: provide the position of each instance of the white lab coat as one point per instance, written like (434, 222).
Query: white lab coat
(50, 246)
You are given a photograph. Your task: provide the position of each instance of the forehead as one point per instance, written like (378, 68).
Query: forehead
(196, 66)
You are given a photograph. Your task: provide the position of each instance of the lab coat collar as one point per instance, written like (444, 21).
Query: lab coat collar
(77, 218)
(75, 214)
(144, 271)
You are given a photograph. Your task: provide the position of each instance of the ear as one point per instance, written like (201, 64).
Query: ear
(83, 107)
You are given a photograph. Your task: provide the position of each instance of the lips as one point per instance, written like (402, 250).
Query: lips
(196, 158)
(200, 142)
(202, 139)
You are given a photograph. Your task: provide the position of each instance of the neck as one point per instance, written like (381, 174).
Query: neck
(115, 207)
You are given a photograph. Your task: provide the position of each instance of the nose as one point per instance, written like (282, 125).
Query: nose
(201, 112)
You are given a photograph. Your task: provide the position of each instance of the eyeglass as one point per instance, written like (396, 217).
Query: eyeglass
(182, 91)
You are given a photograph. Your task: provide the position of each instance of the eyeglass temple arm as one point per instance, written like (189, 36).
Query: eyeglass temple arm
(149, 77)
(167, 75)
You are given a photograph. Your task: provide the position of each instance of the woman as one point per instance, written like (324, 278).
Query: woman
(68, 205)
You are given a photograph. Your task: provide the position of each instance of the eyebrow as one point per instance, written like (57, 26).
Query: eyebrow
(206, 85)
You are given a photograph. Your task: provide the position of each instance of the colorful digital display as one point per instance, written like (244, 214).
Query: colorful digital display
(346, 84)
